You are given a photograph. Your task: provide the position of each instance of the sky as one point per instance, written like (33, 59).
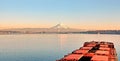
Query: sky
(81, 14)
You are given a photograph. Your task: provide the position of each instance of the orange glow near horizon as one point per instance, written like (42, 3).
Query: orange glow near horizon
(87, 27)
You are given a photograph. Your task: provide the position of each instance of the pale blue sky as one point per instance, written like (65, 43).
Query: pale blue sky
(86, 14)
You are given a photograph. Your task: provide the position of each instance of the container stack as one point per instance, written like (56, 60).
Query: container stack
(93, 51)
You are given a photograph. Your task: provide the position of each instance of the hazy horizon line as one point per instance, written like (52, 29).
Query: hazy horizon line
(49, 28)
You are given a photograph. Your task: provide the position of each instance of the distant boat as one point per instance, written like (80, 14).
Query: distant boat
(93, 51)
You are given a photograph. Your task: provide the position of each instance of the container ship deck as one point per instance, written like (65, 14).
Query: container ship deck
(93, 51)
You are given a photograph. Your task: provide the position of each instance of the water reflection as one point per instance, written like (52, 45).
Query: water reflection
(63, 39)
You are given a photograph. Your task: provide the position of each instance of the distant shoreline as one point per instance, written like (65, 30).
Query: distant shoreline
(57, 31)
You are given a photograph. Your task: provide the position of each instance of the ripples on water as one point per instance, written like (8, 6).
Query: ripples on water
(47, 47)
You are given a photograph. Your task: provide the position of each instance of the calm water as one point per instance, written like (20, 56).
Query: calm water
(46, 47)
